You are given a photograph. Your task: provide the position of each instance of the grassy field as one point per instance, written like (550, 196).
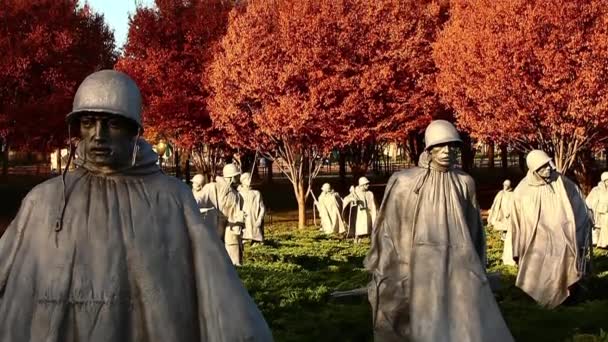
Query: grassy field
(292, 277)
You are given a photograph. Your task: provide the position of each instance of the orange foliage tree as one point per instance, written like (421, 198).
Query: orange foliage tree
(48, 47)
(528, 72)
(294, 79)
(167, 49)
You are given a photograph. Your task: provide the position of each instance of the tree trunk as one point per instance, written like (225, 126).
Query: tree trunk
(178, 171)
(5, 150)
(58, 160)
(269, 170)
(467, 153)
(583, 170)
(522, 161)
(301, 198)
(491, 154)
(342, 171)
(504, 156)
(187, 168)
(415, 147)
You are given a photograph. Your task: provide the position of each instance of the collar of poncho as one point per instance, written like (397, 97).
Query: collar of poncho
(425, 162)
(145, 162)
(534, 180)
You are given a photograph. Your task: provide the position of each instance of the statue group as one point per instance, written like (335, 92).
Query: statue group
(230, 205)
(361, 206)
(115, 250)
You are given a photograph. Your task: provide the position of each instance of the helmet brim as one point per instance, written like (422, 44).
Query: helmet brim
(445, 141)
(77, 113)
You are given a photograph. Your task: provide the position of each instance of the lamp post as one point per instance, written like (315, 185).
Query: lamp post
(161, 148)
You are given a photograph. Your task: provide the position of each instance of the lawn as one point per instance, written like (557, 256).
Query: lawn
(292, 277)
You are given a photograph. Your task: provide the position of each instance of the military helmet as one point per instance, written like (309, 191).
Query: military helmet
(604, 176)
(198, 179)
(326, 187)
(363, 181)
(108, 91)
(230, 170)
(506, 182)
(537, 159)
(246, 178)
(440, 132)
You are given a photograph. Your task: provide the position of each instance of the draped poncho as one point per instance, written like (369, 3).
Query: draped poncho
(131, 261)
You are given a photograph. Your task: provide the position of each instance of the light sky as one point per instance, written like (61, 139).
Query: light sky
(116, 13)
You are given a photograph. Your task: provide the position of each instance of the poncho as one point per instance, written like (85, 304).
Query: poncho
(224, 202)
(132, 262)
(254, 209)
(329, 205)
(500, 210)
(597, 200)
(363, 215)
(551, 237)
(498, 217)
(427, 262)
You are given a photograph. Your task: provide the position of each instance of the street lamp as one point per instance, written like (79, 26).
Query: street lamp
(161, 148)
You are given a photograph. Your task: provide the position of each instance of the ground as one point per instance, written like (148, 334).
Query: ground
(292, 277)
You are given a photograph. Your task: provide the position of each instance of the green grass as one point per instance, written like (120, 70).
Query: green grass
(292, 277)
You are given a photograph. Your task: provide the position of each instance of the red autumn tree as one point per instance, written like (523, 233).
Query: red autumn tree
(528, 72)
(167, 50)
(295, 79)
(48, 47)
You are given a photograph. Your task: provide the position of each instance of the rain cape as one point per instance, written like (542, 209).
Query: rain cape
(597, 200)
(363, 215)
(224, 205)
(427, 262)
(498, 218)
(253, 206)
(500, 210)
(132, 261)
(551, 237)
(329, 206)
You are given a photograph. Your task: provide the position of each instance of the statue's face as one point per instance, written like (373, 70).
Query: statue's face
(365, 187)
(197, 186)
(108, 140)
(234, 181)
(506, 186)
(544, 171)
(444, 155)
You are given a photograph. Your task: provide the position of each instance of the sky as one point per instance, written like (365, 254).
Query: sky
(116, 13)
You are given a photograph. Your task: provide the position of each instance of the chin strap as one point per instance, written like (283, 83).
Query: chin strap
(135, 150)
(64, 200)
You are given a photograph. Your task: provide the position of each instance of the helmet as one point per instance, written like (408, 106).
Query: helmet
(108, 91)
(198, 179)
(604, 176)
(326, 187)
(230, 170)
(246, 178)
(507, 182)
(440, 132)
(536, 159)
(363, 181)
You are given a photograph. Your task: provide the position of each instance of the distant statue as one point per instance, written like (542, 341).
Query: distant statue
(254, 209)
(551, 232)
(362, 209)
(198, 181)
(598, 203)
(498, 218)
(329, 206)
(220, 201)
(427, 256)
